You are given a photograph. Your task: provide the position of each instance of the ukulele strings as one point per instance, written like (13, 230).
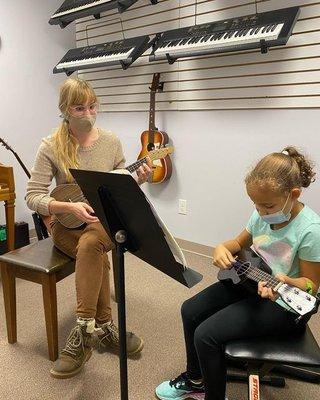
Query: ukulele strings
(137, 164)
(248, 269)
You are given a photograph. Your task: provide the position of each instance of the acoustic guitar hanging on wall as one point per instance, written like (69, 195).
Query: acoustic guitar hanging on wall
(154, 139)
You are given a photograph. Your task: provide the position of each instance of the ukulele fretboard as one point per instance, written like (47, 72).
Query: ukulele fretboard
(136, 164)
(257, 274)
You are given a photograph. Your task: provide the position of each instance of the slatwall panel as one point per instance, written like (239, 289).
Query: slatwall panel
(286, 77)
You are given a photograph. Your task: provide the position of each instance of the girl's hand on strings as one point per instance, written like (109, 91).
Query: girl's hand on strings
(222, 257)
(266, 292)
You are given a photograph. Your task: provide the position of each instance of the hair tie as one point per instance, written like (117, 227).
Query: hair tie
(285, 152)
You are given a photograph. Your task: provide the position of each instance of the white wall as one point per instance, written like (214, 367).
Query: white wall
(213, 151)
(30, 48)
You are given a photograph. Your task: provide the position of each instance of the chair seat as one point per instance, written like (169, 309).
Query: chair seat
(299, 349)
(40, 256)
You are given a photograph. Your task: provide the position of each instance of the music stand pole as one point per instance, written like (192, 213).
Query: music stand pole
(120, 238)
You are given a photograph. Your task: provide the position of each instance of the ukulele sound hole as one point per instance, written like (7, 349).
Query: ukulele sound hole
(241, 267)
(150, 146)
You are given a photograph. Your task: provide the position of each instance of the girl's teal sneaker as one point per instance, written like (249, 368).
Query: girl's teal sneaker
(179, 389)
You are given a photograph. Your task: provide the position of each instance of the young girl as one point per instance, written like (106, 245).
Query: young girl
(286, 234)
(78, 143)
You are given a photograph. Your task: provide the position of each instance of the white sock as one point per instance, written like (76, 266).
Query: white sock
(105, 323)
(196, 382)
(89, 322)
(99, 327)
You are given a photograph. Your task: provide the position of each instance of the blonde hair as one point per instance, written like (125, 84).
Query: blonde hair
(74, 91)
(282, 171)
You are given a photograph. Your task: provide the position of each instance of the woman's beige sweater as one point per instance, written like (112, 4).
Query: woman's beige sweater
(105, 154)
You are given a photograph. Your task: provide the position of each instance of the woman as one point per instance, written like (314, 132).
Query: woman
(78, 143)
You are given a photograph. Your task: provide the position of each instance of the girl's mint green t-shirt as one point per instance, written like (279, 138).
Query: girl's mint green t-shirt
(281, 249)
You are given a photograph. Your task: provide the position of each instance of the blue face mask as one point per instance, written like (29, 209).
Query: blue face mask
(278, 217)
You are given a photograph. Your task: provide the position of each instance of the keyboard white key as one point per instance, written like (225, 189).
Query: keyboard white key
(252, 36)
(95, 60)
(80, 8)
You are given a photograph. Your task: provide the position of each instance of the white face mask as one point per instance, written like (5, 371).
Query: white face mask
(278, 217)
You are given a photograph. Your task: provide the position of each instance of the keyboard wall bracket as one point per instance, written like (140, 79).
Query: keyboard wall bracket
(153, 43)
(263, 46)
(68, 72)
(170, 59)
(124, 65)
(63, 24)
(123, 5)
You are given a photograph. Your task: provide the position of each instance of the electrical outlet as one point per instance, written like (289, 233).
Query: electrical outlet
(182, 206)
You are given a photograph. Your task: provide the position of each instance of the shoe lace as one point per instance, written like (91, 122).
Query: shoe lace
(179, 381)
(183, 382)
(74, 342)
(111, 333)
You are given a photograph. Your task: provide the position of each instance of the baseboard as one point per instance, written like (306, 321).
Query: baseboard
(185, 245)
(195, 248)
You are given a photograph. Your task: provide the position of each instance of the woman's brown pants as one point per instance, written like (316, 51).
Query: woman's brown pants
(89, 246)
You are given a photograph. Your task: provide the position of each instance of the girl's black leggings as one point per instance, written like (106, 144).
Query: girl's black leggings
(221, 313)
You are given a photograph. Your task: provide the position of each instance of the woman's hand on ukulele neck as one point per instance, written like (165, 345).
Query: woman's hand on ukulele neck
(144, 172)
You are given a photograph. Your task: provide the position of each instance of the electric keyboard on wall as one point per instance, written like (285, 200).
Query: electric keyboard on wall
(123, 52)
(74, 9)
(261, 30)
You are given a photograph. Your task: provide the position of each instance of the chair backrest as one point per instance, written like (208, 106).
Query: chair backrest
(7, 177)
(40, 227)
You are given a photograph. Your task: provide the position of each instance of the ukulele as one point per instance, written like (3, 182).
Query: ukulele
(154, 139)
(72, 192)
(4, 144)
(298, 300)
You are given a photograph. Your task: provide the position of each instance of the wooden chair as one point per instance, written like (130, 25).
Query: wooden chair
(42, 263)
(7, 194)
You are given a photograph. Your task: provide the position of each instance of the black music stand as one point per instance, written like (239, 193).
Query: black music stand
(128, 218)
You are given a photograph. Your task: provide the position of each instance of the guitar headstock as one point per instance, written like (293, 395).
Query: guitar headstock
(5, 144)
(160, 153)
(297, 299)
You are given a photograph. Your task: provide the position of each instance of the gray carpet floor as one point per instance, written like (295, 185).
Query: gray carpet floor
(153, 311)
